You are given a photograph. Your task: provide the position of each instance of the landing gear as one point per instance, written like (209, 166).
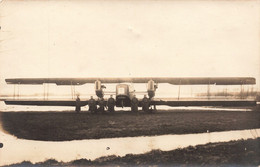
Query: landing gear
(153, 108)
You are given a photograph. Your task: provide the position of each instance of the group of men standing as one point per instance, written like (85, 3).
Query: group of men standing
(110, 105)
(135, 103)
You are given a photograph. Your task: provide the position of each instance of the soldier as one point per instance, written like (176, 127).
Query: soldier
(101, 104)
(92, 105)
(145, 103)
(78, 104)
(134, 104)
(111, 104)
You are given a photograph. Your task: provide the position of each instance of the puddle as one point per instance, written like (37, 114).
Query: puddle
(17, 150)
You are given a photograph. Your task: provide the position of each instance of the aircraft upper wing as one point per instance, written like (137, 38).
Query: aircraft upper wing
(170, 80)
(203, 102)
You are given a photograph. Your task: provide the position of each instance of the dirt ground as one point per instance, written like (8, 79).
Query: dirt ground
(62, 126)
(234, 153)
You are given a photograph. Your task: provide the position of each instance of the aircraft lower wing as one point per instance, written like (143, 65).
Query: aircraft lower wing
(157, 102)
(203, 102)
(45, 102)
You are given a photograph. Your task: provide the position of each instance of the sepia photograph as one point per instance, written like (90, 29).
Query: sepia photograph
(129, 83)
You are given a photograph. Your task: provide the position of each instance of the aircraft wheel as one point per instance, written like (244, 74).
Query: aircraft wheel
(154, 107)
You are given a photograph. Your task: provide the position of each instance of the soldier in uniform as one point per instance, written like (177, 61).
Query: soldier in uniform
(111, 104)
(92, 105)
(78, 104)
(134, 104)
(146, 104)
(101, 104)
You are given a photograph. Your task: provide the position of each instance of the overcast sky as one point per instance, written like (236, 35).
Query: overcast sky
(129, 38)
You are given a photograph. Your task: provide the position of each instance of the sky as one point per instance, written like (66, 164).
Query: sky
(129, 39)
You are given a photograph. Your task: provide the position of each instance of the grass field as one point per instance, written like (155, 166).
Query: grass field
(234, 153)
(61, 126)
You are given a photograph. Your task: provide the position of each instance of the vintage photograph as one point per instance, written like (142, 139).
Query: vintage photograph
(129, 83)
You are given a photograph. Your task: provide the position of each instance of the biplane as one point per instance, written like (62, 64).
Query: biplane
(124, 91)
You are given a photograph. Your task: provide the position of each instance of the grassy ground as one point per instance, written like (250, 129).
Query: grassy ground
(235, 153)
(61, 126)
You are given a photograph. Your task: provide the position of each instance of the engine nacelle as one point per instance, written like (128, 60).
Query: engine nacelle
(99, 89)
(151, 88)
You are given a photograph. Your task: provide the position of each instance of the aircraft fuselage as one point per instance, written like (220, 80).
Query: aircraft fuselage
(124, 94)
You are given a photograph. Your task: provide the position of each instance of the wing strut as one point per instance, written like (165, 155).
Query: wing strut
(241, 91)
(208, 91)
(44, 90)
(179, 90)
(18, 89)
(71, 89)
(14, 91)
(47, 91)
(73, 92)
(225, 91)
